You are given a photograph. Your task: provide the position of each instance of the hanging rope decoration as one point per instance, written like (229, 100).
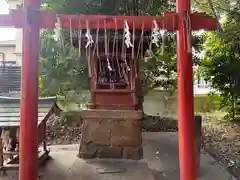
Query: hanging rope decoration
(127, 35)
(79, 37)
(96, 49)
(150, 53)
(133, 41)
(106, 46)
(186, 24)
(115, 48)
(163, 35)
(124, 65)
(155, 33)
(98, 29)
(88, 47)
(189, 35)
(70, 31)
(57, 30)
(133, 48)
(88, 36)
(58, 34)
(140, 48)
(140, 44)
(114, 42)
(108, 50)
(124, 56)
(96, 42)
(174, 27)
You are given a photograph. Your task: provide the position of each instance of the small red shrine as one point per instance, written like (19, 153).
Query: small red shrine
(115, 73)
(112, 122)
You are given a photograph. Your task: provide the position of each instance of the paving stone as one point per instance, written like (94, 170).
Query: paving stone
(166, 160)
(161, 166)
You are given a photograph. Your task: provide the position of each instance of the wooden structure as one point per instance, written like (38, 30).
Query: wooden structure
(10, 124)
(31, 19)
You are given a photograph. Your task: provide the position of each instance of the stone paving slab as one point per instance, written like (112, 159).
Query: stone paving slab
(64, 165)
(161, 154)
(110, 170)
(160, 162)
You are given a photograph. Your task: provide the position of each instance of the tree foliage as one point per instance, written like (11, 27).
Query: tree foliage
(62, 70)
(222, 61)
(216, 6)
(109, 7)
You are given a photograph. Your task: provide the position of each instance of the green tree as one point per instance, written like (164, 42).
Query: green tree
(63, 71)
(222, 61)
(216, 7)
(109, 7)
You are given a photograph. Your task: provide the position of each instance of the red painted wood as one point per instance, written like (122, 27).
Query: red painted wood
(48, 20)
(185, 97)
(16, 19)
(206, 22)
(77, 20)
(120, 98)
(29, 98)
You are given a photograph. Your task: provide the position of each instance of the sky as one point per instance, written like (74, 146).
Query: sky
(6, 33)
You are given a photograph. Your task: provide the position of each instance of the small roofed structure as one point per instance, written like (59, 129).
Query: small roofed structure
(10, 126)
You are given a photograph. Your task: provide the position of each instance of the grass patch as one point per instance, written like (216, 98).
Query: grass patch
(157, 102)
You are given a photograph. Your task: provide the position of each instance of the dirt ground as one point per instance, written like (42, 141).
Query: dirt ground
(222, 140)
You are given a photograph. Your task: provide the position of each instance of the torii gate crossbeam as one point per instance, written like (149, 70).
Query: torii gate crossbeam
(31, 19)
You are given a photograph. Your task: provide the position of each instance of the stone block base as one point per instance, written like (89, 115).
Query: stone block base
(111, 134)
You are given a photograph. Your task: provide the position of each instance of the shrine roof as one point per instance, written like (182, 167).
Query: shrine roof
(10, 110)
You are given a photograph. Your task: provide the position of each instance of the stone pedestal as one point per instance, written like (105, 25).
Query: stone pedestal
(111, 134)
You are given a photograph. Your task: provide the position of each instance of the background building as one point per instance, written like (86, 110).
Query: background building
(11, 50)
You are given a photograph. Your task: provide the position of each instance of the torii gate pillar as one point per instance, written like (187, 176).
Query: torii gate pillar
(28, 160)
(185, 98)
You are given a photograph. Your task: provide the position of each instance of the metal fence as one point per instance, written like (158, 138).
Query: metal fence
(10, 79)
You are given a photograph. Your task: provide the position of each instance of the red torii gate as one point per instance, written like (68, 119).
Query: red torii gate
(31, 19)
